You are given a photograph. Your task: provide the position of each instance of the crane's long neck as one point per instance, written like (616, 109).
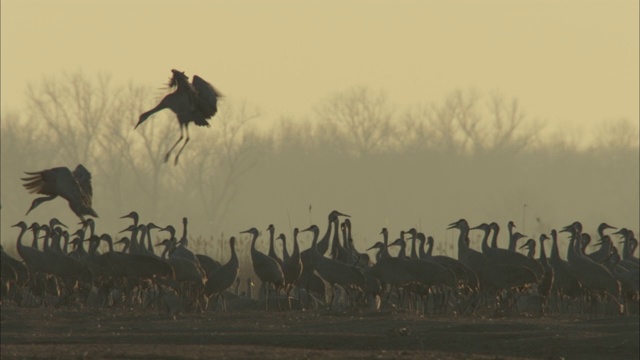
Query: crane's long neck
(109, 243)
(296, 247)
(234, 257)
(143, 237)
(127, 246)
(421, 251)
(323, 244)
(149, 243)
(485, 241)
(573, 252)
(494, 238)
(94, 243)
(345, 239)
(384, 252)
(402, 253)
(463, 245)
(335, 243)
(272, 250)
(531, 251)
(430, 248)
(184, 239)
(80, 242)
(253, 244)
(36, 234)
(314, 245)
(512, 240)
(555, 252)
(414, 251)
(161, 106)
(285, 252)
(133, 242)
(65, 247)
(543, 253)
(23, 230)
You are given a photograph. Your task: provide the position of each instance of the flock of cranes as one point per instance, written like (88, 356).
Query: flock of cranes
(60, 267)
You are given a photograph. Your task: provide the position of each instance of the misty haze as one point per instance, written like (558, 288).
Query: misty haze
(401, 141)
(473, 155)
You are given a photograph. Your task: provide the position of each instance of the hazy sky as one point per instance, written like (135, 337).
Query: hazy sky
(569, 62)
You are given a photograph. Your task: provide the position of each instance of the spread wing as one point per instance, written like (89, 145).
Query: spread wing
(207, 97)
(83, 178)
(74, 187)
(49, 182)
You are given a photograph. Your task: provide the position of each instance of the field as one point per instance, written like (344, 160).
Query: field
(43, 333)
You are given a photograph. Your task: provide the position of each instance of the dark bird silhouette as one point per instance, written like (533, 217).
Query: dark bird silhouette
(75, 187)
(191, 102)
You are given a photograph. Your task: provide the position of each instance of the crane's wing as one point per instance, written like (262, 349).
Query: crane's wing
(48, 182)
(207, 99)
(83, 177)
(61, 182)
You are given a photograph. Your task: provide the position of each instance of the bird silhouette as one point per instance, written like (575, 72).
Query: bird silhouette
(73, 186)
(191, 102)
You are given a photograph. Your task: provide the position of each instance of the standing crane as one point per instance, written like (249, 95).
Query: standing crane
(266, 267)
(191, 102)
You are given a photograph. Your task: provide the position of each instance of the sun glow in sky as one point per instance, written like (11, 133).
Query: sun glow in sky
(571, 63)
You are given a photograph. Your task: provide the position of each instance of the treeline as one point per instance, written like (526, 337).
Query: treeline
(472, 155)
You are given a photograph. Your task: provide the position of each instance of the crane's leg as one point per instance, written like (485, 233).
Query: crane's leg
(166, 157)
(186, 128)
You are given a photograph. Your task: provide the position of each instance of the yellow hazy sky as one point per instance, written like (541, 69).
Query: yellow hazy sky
(569, 62)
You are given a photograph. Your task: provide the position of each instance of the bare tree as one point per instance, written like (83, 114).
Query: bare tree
(617, 134)
(72, 110)
(462, 125)
(359, 119)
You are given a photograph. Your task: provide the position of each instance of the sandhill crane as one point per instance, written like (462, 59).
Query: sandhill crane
(134, 266)
(35, 259)
(133, 215)
(75, 187)
(224, 277)
(332, 271)
(431, 276)
(383, 252)
(309, 280)
(546, 282)
(500, 256)
(208, 264)
(266, 267)
(291, 264)
(629, 279)
(494, 276)
(593, 276)
(473, 259)
(179, 250)
(462, 271)
(628, 247)
(355, 255)
(565, 282)
(392, 271)
(272, 250)
(187, 272)
(191, 102)
(602, 254)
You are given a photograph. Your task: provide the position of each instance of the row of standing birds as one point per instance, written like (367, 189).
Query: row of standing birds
(493, 278)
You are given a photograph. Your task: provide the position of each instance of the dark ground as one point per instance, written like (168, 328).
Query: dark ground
(38, 333)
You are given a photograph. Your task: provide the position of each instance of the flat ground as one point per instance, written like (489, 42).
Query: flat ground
(39, 333)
